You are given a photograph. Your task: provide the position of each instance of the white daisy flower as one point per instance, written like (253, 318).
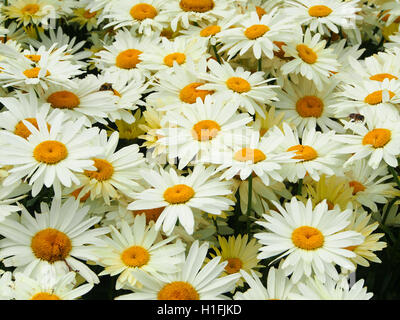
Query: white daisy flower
(192, 282)
(6, 286)
(52, 241)
(311, 240)
(138, 247)
(180, 194)
(49, 156)
(240, 88)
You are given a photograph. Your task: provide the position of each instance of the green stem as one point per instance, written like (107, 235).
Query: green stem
(395, 175)
(260, 64)
(249, 199)
(216, 54)
(299, 187)
(216, 225)
(386, 213)
(37, 32)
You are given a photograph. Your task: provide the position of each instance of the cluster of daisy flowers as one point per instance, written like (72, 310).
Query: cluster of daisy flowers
(197, 149)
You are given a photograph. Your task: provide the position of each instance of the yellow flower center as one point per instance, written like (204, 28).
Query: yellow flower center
(89, 15)
(305, 153)
(307, 238)
(256, 31)
(30, 9)
(45, 296)
(135, 256)
(319, 11)
(76, 193)
(178, 290)
(179, 193)
(51, 245)
(306, 54)
(50, 152)
(33, 57)
(357, 186)
(128, 59)
(34, 73)
(378, 138)
(248, 154)
(180, 58)
(143, 11)
(200, 6)
(189, 94)
(210, 31)
(376, 97)
(22, 131)
(382, 76)
(205, 130)
(104, 170)
(64, 100)
(234, 265)
(238, 85)
(351, 248)
(310, 106)
(260, 12)
(151, 214)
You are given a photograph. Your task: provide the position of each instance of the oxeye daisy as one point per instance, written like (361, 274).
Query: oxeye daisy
(279, 286)
(314, 289)
(196, 132)
(163, 55)
(242, 89)
(306, 107)
(6, 286)
(370, 186)
(83, 100)
(311, 58)
(115, 170)
(314, 154)
(49, 156)
(137, 247)
(86, 18)
(254, 156)
(312, 241)
(192, 282)
(181, 194)
(325, 15)
(240, 253)
(143, 16)
(63, 288)
(186, 11)
(52, 240)
(258, 34)
(377, 139)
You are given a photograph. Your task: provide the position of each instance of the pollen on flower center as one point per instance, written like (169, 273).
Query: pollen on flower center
(307, 238)
(104, 171)
(143, 11)
(179, 57)
(310, 106)
(50, 152)
(234, 265)
(319, 11)
(21, 129)
(151, 214)
(210, 31)
(30, 9)
(205, 130)
(179, 193)
(376, 97)
(189, 93)
(306, 54)
(135, 256)
(256, 31)
(382, 76)
(305, 153)
(238, 85)
(51, 245)
(378, 138)
(178, 290)
(128, 59)
(64, 100)
(34, 57)
(200, 6)
(357, 186)
(45, 296)
(248, 154)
